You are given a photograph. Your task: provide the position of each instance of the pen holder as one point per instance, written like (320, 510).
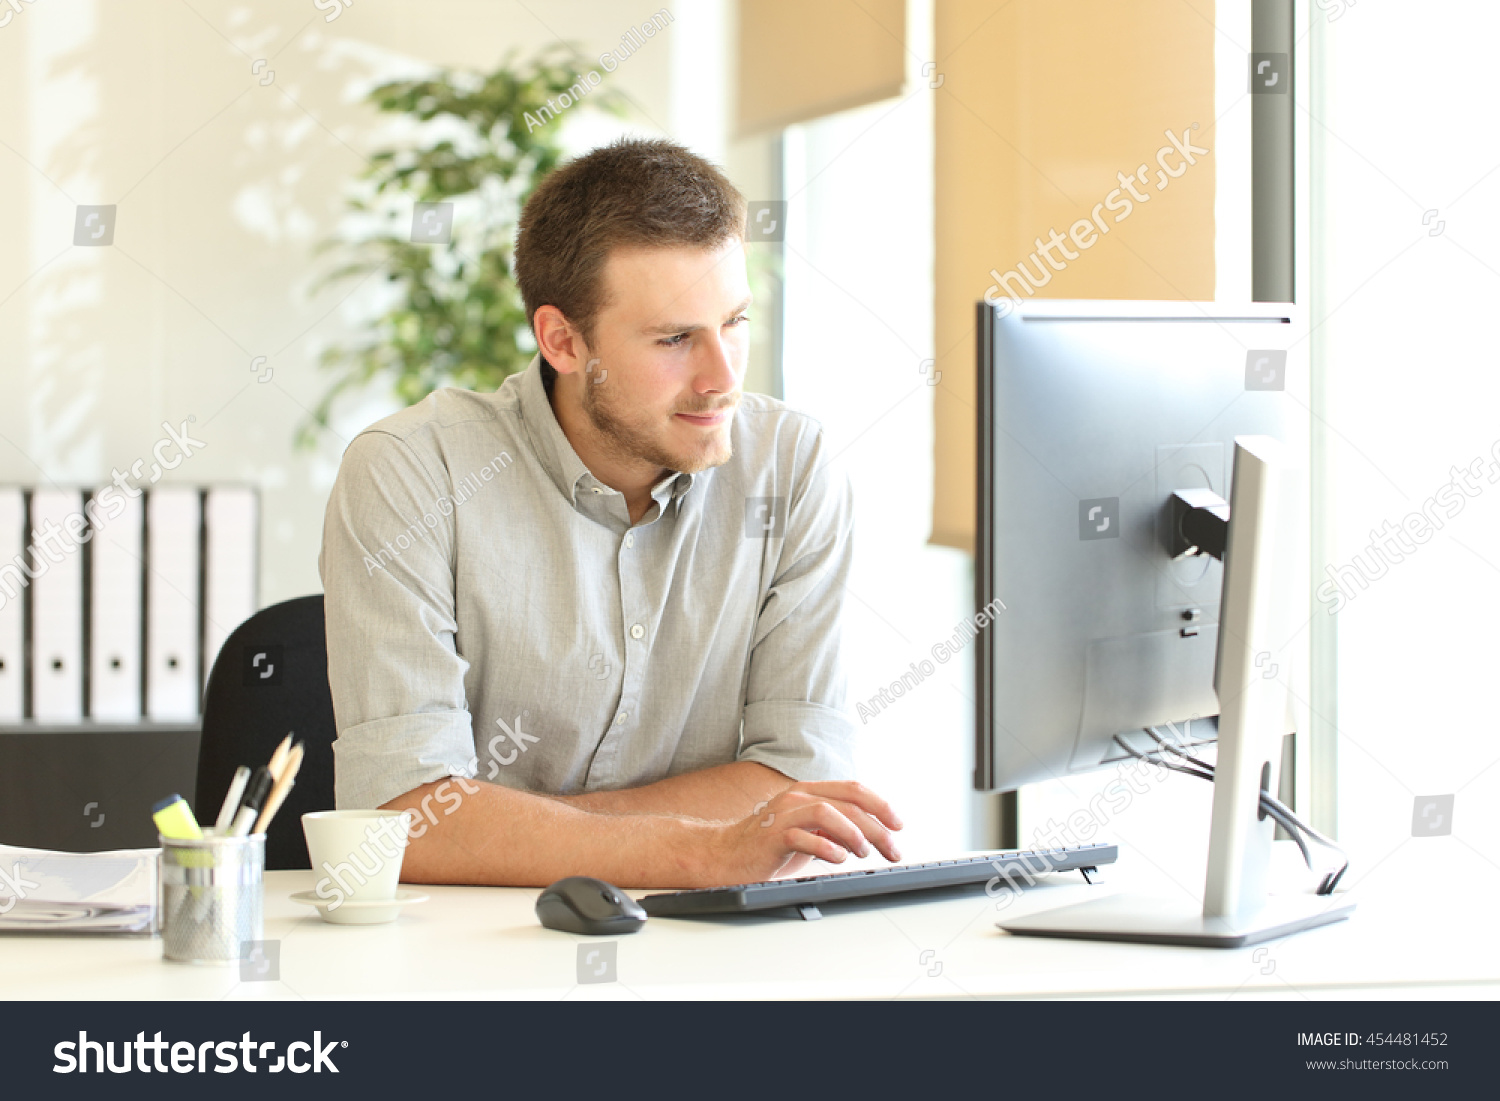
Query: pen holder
(212, 896)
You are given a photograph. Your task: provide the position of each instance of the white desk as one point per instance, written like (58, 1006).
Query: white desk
(1432, 936)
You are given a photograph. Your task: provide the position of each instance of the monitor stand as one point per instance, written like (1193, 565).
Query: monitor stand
(1146, 920)
(1237, 907)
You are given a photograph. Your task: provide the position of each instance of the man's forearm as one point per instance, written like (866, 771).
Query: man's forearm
(491, 835)
(723, 793)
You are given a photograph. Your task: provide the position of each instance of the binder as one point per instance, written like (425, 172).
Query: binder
(13, 582)
(115, 576)
(229, 582)
(173, 529)
(56, 605)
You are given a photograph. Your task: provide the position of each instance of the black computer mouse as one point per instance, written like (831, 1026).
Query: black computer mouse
(579, 904)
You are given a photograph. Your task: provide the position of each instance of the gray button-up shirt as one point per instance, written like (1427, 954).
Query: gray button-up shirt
(493, 613)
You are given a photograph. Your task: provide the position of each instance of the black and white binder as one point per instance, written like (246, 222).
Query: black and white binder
(56, 554)
(173, 527)
(13, 582)
(229, 581)
(118, 560)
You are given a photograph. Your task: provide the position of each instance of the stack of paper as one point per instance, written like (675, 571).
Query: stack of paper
(57, 892)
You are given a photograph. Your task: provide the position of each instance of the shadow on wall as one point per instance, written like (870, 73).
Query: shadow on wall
(183, 292)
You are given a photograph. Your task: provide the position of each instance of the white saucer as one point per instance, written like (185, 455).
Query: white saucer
(360, 911)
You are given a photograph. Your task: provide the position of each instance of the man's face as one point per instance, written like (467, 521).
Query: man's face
(671, 341)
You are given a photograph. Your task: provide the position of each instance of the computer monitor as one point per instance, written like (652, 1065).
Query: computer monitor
(1138, 523)
(1091, 415)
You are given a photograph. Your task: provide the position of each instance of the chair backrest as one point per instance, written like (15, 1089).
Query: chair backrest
(271, 678)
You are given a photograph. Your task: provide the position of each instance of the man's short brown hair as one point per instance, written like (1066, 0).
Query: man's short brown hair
(635, 191)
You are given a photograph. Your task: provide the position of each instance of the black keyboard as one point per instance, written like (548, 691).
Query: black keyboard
(1018, 866)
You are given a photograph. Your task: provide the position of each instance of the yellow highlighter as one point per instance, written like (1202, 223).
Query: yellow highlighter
(174, 818)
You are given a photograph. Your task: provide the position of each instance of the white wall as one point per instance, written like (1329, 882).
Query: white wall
(858, 330)
(1404, 312)
(223, 186)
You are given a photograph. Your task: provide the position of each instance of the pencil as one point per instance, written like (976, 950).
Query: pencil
(278, 759)
(273, 804)
(283, 785)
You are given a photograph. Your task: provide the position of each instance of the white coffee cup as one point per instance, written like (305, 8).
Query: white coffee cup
(356, 855)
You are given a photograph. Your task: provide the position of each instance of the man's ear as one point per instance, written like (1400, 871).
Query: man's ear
(558, 340)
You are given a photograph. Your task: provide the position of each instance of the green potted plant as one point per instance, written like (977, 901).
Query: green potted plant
(456, 317)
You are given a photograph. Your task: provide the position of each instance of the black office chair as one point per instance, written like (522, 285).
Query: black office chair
(271, 678)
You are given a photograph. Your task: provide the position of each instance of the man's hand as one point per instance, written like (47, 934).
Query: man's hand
(826, 820)
(490, 835)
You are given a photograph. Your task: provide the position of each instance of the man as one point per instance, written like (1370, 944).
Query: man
(594, 615)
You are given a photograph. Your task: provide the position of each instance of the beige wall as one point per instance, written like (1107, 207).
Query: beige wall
(799, 61)
(1041, 104)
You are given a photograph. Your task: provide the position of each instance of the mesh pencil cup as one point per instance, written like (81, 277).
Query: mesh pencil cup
(212, 896)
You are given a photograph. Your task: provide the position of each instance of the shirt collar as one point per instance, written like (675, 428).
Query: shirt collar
(559, 459)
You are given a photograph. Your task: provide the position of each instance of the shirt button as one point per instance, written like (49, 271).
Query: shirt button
(621, 717)
(598, 490)
(629, 539)
(637, 631)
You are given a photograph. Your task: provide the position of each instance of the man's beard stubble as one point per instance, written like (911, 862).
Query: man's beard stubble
(632, 440)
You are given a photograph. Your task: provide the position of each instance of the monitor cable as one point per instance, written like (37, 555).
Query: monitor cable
(1284, 816)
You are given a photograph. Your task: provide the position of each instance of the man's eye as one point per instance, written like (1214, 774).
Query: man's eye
(673, 341)
(737, 320)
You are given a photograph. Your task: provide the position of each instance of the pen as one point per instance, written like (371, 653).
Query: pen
(174, 818)
(255, 798)
(278, 759)
(284, 784)
(232, 799)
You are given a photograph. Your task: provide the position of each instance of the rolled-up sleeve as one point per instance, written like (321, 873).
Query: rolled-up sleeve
(388, 581)
(796, 719)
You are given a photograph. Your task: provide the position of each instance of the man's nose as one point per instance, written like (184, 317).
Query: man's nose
(717, 371)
